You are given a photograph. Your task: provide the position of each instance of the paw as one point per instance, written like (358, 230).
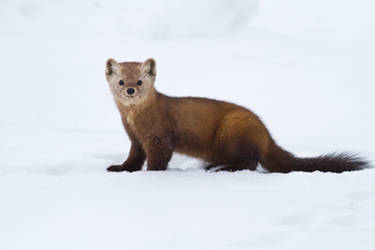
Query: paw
(227, 169)
(120, 168)
(116, 168)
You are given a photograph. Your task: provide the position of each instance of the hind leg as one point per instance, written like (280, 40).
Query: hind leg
(236, 154)
(233, 167)
(240, 141)
(241, 166)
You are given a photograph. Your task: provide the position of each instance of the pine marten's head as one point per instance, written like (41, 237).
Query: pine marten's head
(131, 82)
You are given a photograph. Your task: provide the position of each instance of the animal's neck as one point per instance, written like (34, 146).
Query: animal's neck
(131, 111)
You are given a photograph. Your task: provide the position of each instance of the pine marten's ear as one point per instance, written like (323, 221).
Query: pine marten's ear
(149, 67)
(112, 68)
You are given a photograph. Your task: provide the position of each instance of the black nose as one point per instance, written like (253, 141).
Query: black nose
(130, 91)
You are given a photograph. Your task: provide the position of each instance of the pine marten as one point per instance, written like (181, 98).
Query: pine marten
(220, 133)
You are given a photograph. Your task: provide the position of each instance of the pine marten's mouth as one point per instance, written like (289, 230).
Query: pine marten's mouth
(132, 96)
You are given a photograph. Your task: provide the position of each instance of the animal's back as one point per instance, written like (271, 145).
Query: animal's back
(201, 122)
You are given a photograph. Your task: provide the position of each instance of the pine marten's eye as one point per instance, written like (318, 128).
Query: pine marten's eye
(139, 83)
(121, 82)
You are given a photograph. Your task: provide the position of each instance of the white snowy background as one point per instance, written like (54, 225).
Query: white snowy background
(306, 67)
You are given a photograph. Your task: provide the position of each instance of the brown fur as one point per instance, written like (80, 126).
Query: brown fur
(220, 133)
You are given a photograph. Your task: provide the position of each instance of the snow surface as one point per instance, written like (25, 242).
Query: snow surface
(305, 67)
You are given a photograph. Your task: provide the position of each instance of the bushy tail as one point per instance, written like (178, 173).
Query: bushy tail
(279, 160)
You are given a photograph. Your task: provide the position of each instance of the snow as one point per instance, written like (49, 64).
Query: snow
(188, 210)
(305, 67)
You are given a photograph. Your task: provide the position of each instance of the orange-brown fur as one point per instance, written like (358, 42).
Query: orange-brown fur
(220, 133)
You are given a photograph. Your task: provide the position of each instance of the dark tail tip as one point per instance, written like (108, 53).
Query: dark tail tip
(335, 162)
(279, 160)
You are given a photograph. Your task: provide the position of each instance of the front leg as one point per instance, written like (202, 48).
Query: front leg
(159, 151)
(136, 158)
